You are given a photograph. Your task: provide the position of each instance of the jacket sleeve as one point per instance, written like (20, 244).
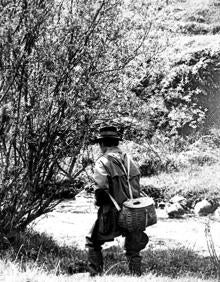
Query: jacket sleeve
(100, 177)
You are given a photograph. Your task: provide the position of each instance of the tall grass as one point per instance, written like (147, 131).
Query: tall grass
(34, 255)
(195, 182)
(11, 272)
(195, 175)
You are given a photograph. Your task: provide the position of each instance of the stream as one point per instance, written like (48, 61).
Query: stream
(69, 223)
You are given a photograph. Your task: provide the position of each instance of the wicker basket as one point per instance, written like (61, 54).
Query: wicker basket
(132, 219)
(137, 214)
(151, 215)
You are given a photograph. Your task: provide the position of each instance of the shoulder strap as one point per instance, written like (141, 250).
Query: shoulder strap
(127, 172)
(114, 202)
(128, 180)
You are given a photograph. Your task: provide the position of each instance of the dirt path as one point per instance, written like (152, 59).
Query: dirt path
(72, 220)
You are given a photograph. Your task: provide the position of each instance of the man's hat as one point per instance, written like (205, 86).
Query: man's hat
(108, 132)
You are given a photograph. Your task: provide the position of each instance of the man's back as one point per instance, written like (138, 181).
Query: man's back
(110, 174)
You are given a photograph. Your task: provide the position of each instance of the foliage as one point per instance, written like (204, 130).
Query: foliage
(62, 64)
(184, 97)
(151, 159)
(173, 154)
(181, 84)
(194, 166)
(192, 181)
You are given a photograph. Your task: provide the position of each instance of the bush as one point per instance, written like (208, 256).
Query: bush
(215, 136)
(70, 189)
(194, 28)
(155, 166)
(60, 64)
(194, 197)
(202, 159)
(151, 161)
(186, 90)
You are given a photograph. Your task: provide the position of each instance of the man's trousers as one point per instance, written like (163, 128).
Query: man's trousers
(134, 243)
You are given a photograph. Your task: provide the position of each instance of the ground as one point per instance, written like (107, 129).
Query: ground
(72, 220)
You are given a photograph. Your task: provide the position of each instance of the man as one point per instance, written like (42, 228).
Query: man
(111, 179)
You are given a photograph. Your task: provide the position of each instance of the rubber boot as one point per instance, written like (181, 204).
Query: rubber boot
(134, 265)
(95, 262)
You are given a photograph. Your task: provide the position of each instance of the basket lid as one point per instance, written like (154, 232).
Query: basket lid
(141, 202)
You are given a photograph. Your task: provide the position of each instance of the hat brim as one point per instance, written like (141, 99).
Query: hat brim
(98, 139)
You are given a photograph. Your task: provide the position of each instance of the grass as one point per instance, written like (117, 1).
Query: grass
(191, 171)
(197, 182)
(205, 11)
(191, 25)
(33, 257)
(12, 274)
(42, 251)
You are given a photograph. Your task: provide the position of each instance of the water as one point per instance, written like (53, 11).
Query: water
(72, 219)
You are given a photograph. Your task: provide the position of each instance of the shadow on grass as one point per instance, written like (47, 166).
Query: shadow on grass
(43, 251)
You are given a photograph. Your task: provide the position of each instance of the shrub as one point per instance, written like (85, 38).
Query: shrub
(194, 28)
(157, 165)
(187, 90)
(215, 136)
(60, 64)
(70, 189)
(202, 159)
(151, 161)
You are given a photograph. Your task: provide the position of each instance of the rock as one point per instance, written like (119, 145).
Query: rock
(161, 205)
(217, 213)
(178, 199)
(203, 207)
(175, 210)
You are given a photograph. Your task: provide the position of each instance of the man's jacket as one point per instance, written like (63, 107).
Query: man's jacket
(111, 178)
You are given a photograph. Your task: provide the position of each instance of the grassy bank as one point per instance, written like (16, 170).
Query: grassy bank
(34, 257)
(190, 170)
(33, 274)
(196, 183)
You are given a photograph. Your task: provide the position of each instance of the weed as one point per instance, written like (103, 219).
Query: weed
(212, 251)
